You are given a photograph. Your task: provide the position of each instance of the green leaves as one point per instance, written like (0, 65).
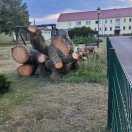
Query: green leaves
(84, 40)
(83, 31)
(12, 13)
(83, 35)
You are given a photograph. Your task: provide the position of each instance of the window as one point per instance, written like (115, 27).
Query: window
(124, 27)
(95, 29)
(124, 19)
(105, 28)
(110, 28)
(78, 23)
(130, 19)
(130, 27)
(100, 29)
(88, 22)
(118, 20)
(96, 22)
(105, 21)
(111, 21)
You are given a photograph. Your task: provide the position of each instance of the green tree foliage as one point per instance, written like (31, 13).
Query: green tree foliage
(83, 31)
(12, 13)
(83, 35)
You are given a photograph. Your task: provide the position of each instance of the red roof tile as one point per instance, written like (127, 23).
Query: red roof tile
(92, 15)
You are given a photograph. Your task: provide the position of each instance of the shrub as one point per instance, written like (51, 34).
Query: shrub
(83, 35)
(83, 31)
(84, 40)
(4, 84)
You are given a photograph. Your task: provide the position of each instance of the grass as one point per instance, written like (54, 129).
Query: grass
(49, 94)
(21, 91)
(5, 40)
(92, 70)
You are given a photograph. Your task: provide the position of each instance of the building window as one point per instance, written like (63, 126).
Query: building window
(111, 21)
(96, 22)
(105, 28)
(124, 27)
(105, 21)
(124, 19)
(88, 22)
(95, 29)
(110, 28)
(100, 29)
(130, 27)
(118, 20)
(78, 23)
(130, 19)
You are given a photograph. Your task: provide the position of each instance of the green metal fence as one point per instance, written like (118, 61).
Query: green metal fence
(119, 94)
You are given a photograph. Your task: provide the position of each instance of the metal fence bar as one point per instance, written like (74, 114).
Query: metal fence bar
(119, 94)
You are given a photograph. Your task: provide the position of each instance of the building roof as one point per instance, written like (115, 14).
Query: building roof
(92, 15)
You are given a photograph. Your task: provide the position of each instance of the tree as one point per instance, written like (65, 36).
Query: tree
(12, 13)
(83, 31)
(83, 35)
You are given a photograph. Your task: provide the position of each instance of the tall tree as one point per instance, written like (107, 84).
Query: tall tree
(12, 13)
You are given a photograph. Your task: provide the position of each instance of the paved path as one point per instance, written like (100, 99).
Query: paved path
(123, 49)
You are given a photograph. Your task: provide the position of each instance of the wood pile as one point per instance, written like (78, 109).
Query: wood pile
(55, 60)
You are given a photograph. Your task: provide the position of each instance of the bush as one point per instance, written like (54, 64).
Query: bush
(4, 84)
(83, 31)
(83, 35)
(84, 40)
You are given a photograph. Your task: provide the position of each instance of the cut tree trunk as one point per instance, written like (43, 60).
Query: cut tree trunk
(21, 55)
(59, 43)
(55, 57)
(26, 70)
(38, 43)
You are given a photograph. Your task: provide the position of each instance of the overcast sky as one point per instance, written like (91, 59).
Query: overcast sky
(47, 11)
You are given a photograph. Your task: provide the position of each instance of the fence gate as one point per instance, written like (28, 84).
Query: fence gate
(119, 56)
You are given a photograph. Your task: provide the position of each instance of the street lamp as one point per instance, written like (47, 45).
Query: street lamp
(98, 14)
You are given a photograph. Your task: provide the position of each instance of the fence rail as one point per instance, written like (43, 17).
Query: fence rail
(119, 94)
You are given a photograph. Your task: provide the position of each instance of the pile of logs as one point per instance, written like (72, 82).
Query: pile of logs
(55, 59)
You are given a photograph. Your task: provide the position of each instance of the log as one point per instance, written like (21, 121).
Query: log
(32, 29)
(42, 70)
(76, 56)
(59, 50)
(37, 40)
(21, 55)
(26, 70)
(59, 43)
(54, 56)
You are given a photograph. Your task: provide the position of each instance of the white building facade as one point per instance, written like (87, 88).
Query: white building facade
(111, 22)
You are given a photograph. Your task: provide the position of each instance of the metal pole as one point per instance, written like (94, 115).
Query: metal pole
(98, 31)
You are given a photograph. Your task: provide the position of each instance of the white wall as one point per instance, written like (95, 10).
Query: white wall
(104, 23)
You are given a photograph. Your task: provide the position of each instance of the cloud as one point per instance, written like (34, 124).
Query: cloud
(52, 18)
(127, 1)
